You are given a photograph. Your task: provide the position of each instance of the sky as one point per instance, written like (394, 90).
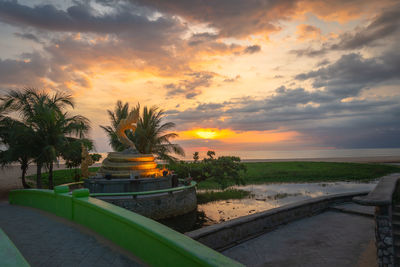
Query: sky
(232, 75)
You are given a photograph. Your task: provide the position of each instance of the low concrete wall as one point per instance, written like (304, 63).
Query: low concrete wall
(226, 234)
(158, 206)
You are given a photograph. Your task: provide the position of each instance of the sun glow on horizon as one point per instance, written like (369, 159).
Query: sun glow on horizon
(230, 136)
(207, 133)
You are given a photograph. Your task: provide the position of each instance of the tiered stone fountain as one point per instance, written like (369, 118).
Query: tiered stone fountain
(129, 171)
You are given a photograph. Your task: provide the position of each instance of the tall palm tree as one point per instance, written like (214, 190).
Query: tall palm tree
(56, 130)
(17, 137)
(53, 127)
(150, 137)
(120, 112)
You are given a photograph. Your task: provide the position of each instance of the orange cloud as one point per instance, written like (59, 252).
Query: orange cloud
(341, 10)
(305, 31)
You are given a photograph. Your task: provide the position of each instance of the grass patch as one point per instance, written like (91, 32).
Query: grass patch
(274, 172)
(59, 176)
(298, 172)
(209, 196)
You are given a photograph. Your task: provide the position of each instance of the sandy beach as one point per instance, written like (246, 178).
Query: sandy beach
(10, 176)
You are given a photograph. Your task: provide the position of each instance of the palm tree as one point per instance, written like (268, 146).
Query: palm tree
(56, 130)
(120, 112)
(16, 136)
(150, 137)
(153, 137)
(53, 128)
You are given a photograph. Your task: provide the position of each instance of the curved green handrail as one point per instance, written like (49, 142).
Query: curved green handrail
(179, 188)
(149, 240)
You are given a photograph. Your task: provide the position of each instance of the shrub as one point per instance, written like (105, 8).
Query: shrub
(223, 170)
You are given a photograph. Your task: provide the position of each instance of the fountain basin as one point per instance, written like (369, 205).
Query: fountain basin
(123, 185)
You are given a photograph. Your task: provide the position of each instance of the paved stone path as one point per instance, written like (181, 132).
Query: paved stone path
(47, 240)
(328, 239)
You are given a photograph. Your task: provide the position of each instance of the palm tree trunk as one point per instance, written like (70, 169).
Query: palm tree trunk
(24, 184)
(51, 186)
(39, 175)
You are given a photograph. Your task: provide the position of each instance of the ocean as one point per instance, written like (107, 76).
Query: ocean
(299, 154)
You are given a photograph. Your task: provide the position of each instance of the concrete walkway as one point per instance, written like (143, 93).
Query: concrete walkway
(331, 238)
(47, 240)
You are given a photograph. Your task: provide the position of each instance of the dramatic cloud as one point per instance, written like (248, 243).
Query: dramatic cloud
(305, 31)
(352, 73)
(28, 70)
(190, 87)
(385, 25)
(81, 17)
(236, 18)
(27, 36)
(252, 49)
(331, 115)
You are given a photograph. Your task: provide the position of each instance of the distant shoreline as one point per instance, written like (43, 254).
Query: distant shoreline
(374, 159)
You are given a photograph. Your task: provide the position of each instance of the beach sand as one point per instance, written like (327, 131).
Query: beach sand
(10, 178)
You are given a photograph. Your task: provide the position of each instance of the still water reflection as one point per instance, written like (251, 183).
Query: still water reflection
(268, 196)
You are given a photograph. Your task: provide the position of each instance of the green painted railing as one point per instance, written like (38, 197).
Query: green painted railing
(149, 240)
(9, 254)
(179, 188)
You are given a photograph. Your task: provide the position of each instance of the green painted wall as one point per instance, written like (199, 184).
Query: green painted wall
(9, 254)
(149, 240)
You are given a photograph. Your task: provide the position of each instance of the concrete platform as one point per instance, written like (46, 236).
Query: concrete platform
(327, 239)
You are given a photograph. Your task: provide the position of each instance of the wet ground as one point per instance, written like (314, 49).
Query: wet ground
(268, 196)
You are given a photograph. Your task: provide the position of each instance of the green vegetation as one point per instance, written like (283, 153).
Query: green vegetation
(209, 196)
(43, 131)
(224, 171)
(269, 172)
(151, 135)
(60, 176)
(298, 172)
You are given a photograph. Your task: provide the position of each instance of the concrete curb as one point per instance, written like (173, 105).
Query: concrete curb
(227, 234)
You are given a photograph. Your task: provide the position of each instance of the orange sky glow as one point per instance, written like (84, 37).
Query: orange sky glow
(241, 75)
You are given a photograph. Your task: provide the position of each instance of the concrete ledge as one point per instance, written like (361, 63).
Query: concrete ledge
(226, 234)
(383, 192)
